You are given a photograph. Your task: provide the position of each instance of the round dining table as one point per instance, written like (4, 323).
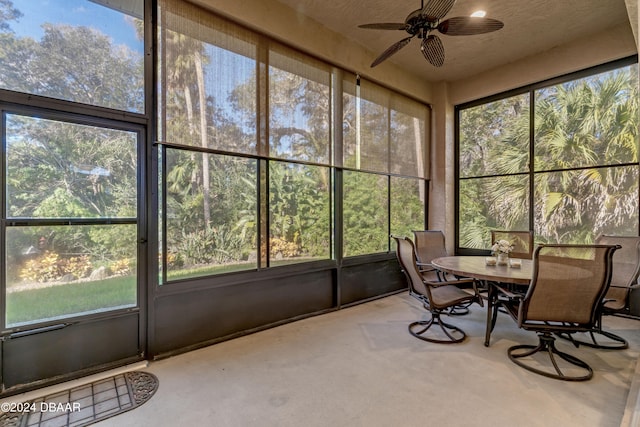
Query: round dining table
(477, 267)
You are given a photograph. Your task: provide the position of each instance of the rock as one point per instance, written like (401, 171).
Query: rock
(67, 278)
(99, 273)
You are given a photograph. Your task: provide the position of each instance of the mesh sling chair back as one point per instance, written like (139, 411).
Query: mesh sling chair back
(522, 242)
(437, 297)
(624, 279)
(567, 287)
(429, 245)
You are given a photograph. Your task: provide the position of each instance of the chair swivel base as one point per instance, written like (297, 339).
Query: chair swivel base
(459, 310)
(547, 344)
(615, 342)
(453, 333)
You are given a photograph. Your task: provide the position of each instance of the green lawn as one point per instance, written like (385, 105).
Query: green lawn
(75, 298)
(69, 299)
(189, 273)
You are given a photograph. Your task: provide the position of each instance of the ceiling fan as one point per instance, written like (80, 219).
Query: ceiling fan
(423, 21)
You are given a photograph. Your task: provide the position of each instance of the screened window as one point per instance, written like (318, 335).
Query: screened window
(299, 129)
(214, 232)
(366, 130)
(299, 107)
(407, 205)
(70, 233)
(83, 51)
(67, 170)
(247, 140)
(207, 69)
(578, 155)
(383, 132)
(55, 272)
(494, 138)
(223, 213)
(300, 215)
(366, 213)
(408, 126)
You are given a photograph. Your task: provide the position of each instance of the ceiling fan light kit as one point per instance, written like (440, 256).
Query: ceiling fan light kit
(421, 22)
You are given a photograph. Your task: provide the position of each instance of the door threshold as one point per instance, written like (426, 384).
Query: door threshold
(78, 382)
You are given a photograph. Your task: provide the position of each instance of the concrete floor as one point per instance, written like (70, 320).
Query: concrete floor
(360, 367)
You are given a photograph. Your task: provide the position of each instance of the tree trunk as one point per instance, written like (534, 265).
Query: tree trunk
(189, 104)
(203, 138)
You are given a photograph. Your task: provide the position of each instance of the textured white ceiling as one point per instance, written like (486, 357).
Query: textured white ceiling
(530, 27)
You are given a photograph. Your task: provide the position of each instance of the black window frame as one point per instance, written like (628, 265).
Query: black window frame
(530, 89)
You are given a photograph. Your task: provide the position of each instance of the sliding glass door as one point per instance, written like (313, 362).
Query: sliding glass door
(70, 243)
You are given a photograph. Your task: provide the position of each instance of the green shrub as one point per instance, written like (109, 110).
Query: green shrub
(50, 266)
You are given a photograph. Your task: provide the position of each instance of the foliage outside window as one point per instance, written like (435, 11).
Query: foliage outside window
(60, 172)
(213, 98)
(66, 170)
(299, 206)
(66, 55)
(366, 217)
(60, 271)
(407, 205)
(226, 239)
(299, 129)
(584, 170)
(207, 96)
(70, 181)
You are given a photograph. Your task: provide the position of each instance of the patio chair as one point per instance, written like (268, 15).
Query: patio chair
(429, 245)
(522, 242)
(567, 287)
(624, 279)
(439, 296)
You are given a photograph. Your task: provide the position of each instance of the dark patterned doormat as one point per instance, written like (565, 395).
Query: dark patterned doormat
(82, 405)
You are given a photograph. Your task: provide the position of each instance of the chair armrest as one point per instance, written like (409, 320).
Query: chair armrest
(622, 287)
(456, 282)
(451, 282)
(425, 267)
(507, 293)
(630, 287)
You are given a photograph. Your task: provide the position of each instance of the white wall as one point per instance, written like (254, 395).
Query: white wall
(580, 54)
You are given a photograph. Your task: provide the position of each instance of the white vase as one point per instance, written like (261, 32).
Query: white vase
(503, 259)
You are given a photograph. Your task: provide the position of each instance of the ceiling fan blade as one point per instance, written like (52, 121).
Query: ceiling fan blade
(468, 26)
(385, 26)
(433, 50)
(391, 50)
(437, 9)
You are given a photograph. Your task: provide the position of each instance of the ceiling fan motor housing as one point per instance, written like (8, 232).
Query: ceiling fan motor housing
(418, 24)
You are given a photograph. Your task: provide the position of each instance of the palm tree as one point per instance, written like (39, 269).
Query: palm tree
(584, 130)
(582, 124)
(184, 64)
(494, 140)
